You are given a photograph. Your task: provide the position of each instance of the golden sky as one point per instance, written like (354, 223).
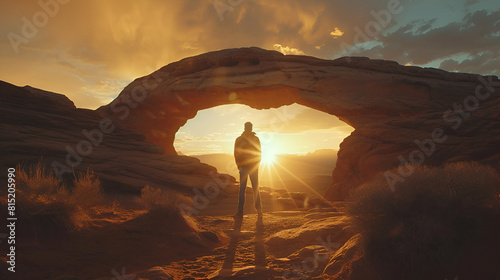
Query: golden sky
(299, 130)
(90, 49)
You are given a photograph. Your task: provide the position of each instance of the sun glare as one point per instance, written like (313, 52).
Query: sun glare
(268, 157)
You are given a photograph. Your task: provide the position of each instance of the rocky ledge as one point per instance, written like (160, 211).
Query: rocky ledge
(38, 125)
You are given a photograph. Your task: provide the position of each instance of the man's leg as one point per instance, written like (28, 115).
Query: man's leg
(243, 187)
(254, 178)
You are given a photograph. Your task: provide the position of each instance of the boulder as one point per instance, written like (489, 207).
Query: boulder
(349, 262)
(330, 232)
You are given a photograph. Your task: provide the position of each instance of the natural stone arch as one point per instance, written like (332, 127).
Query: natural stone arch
(388, 105)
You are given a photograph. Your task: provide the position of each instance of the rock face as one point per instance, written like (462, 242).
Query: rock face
(348, 262)
(330, 232)
(39, 125)
(393, 108)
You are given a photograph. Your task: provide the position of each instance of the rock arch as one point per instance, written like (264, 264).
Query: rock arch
(389, 105)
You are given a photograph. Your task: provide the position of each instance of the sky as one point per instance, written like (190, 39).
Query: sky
(90, 50)
(284, 130)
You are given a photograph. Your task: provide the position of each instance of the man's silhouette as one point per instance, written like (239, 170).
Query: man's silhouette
(247, 154)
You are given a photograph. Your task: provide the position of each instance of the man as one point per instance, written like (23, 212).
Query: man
(247, 154)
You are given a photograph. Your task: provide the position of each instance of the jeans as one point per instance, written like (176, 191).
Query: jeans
(251, 171)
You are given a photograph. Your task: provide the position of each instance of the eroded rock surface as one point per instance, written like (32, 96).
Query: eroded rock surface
(389, 105)
(39, 125)
(330, 232)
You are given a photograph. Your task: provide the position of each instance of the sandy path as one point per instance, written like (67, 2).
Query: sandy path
(244, 254)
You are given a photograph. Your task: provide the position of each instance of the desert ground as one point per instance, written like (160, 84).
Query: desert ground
(148, 237)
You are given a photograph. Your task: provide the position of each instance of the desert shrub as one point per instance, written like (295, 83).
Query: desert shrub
(42, 203)
(156, 198)
(37, 179)
(163, 208)
(428, 219)
(87, 190)
(47, 207)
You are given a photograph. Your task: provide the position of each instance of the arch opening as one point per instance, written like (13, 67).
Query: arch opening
(299, 144)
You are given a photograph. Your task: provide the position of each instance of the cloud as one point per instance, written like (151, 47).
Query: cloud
(287, 50)
(486, 62)
(120, 40)
(476, 36)
(471, 2)
(337, 33)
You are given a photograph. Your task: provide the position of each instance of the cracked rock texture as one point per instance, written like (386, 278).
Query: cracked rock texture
(391, 107)
(40, 125)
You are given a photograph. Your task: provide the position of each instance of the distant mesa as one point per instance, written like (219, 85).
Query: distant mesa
(395, 111)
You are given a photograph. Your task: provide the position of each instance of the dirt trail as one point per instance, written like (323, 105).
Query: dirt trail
(245, 254)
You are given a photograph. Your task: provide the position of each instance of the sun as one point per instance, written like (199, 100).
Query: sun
(268, 157)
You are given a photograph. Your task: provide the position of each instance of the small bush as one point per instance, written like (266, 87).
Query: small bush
(87, 190)
(163, 206)
(48, 208)
(43, 205)
(38, 179)
(427, 220)
(156, 198)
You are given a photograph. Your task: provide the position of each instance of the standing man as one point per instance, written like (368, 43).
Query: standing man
(247, 154)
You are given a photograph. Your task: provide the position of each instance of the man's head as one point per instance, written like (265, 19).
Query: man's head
(248, 126)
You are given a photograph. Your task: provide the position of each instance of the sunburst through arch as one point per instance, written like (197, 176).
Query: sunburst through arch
(290, 136)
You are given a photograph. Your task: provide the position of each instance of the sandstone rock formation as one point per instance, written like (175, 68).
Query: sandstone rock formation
(393, 108)
(333, 230)
(39, 125)
(348, 262)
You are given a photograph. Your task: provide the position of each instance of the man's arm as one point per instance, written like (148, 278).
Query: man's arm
(257, 144)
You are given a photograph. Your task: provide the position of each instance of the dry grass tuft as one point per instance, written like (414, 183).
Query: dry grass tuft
(163, 206)
(87, 190)
(38, 179)
(429, 218)
(49, 208)
(156, 198)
